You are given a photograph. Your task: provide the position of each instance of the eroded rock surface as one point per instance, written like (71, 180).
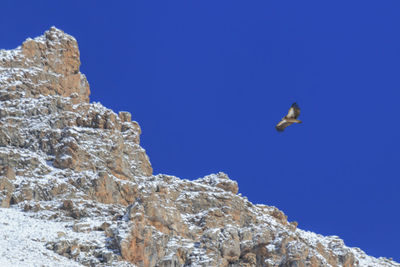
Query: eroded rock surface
(67, 160)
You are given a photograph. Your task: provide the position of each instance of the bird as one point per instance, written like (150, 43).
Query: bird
(290, 118)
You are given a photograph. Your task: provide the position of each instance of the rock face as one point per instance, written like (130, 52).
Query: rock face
(67, 160)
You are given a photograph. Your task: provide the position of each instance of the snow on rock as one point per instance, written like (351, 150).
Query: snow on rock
(46, 65)
(79, 188)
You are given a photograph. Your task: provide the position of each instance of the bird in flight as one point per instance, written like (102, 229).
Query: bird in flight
(290, 118)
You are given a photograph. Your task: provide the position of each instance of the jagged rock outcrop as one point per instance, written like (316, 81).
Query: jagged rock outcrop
(47, 65)
(67, 160)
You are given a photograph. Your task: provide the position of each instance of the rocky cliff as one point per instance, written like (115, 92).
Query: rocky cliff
(78, 165)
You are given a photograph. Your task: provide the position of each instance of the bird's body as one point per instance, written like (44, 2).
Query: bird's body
(290, 118)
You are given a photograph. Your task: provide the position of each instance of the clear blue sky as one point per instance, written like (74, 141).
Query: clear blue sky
(208, 81)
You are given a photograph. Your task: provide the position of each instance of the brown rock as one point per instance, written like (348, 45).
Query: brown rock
(45, 50)
(68, 205)
(79, 162)
(220, 180)
(7, 172)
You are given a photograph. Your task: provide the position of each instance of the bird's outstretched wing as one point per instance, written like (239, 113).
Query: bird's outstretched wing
(282, 125)
(294, 112)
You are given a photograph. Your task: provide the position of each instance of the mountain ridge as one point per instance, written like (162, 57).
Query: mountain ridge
(66, 160)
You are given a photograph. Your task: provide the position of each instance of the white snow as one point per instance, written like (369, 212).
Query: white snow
(23, 240)
(338, 247)
(24, 235)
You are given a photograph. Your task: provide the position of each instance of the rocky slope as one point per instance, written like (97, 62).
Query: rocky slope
(78, 167)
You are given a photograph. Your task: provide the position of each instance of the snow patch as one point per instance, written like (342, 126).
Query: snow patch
(23, 240)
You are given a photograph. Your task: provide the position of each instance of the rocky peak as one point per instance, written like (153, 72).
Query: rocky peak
(46, 65)
(78, 169)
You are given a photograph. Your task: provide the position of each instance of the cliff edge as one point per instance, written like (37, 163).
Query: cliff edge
(79, 187)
